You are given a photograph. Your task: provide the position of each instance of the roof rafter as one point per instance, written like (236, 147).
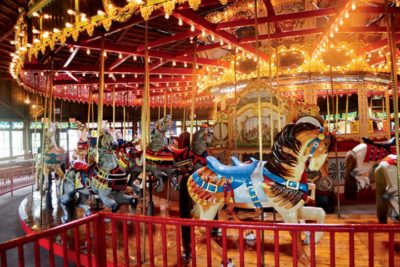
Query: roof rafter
(200, 23)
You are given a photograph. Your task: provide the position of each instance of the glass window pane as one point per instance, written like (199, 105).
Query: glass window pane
(36, 140)
(5, 125)
(73, 136)
(5, 144)
(17, 143)
(63, 140)
(17, 125)
(36, 125)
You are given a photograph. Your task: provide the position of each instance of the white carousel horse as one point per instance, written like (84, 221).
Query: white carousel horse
(359, 161)
(276, 182)
(387, 189)
(54, 157)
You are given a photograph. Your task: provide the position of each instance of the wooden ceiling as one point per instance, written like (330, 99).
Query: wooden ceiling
(8, 17)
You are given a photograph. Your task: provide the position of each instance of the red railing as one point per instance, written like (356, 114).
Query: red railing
(16, 173)
(128, 240)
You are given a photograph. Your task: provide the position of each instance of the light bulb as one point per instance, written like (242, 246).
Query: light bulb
(180, 22)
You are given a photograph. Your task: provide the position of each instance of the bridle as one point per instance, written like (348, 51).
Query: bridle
(317, 141)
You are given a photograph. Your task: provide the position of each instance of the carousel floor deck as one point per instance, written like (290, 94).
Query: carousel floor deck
(29, 212)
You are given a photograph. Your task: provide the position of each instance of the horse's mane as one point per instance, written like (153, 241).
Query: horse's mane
(285, 140)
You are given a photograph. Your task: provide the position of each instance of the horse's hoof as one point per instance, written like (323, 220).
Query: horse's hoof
(186, 256)
(304, 259)
(307, 239)
(88, 213)
(64, 219)
(115, 208)
(134, 202)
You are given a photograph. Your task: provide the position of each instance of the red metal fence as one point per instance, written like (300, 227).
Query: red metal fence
(16, 173)
(106, 239)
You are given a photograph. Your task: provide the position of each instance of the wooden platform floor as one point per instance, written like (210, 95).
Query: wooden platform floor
(30, 214)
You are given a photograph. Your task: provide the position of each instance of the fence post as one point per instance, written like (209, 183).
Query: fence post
(100, 241)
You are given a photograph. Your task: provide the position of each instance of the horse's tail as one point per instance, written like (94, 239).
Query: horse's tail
(350, 183)
(381, 204)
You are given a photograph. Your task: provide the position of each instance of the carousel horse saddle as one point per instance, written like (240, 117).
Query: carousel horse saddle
(236, 172)
(133, 152)
(177, 151)
(80, 166)
(386, 144)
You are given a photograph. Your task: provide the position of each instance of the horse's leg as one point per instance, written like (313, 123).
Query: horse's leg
(105, 197)
(350, 184)
(67, 200)
(292, 217)
(81, 204)
(312, 213)
(391, 192)
(121, 198)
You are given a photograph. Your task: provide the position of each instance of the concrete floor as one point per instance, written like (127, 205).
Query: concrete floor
(10, 229)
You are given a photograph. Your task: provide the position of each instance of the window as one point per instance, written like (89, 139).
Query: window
(36, 141)
(5, 144)
(17, 143)
(63, 140)
(73, 136)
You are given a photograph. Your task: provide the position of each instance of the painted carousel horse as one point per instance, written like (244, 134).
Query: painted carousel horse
(278, 183)
(53, 159)
(105, 179)
(360, 160)
(387, 195)
(193, 156)
(82, 150)
(159, 158)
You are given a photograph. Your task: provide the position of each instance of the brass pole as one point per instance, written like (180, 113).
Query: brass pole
(101, 96)
(113, 108)
(194, 85)
(394, 86)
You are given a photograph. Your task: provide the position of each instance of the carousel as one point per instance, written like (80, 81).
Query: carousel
(251, 131)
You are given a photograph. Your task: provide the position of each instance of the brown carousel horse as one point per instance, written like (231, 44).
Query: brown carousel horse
(276, 182)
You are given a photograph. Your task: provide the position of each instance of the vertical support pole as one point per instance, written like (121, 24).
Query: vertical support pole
(336, 152)
(345, 115)
(388, 120)
(235, 127)
(394, 86)
(194, 85)
(101, 96)
(113, 108)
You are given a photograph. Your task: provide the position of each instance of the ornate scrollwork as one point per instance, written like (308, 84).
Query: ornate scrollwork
(120, 14)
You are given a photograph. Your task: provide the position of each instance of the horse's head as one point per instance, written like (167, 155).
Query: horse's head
(107, 141)
(202, 139)
(296, 144)
(162, 124)
(315, 145)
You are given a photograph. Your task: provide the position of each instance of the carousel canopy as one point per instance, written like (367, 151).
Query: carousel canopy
(296, 43)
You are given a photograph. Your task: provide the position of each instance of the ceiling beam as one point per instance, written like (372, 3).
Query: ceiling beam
(271, 12)
(157, 64)
(119, 61)
(380, 44)
(277, 18)
(200, 23)
(128, 50)
(360, 29)
(170, 39)
(119, 70)
(126, 80)
(71, 57)
(134, 20)
(72, 76)
(7, 31)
